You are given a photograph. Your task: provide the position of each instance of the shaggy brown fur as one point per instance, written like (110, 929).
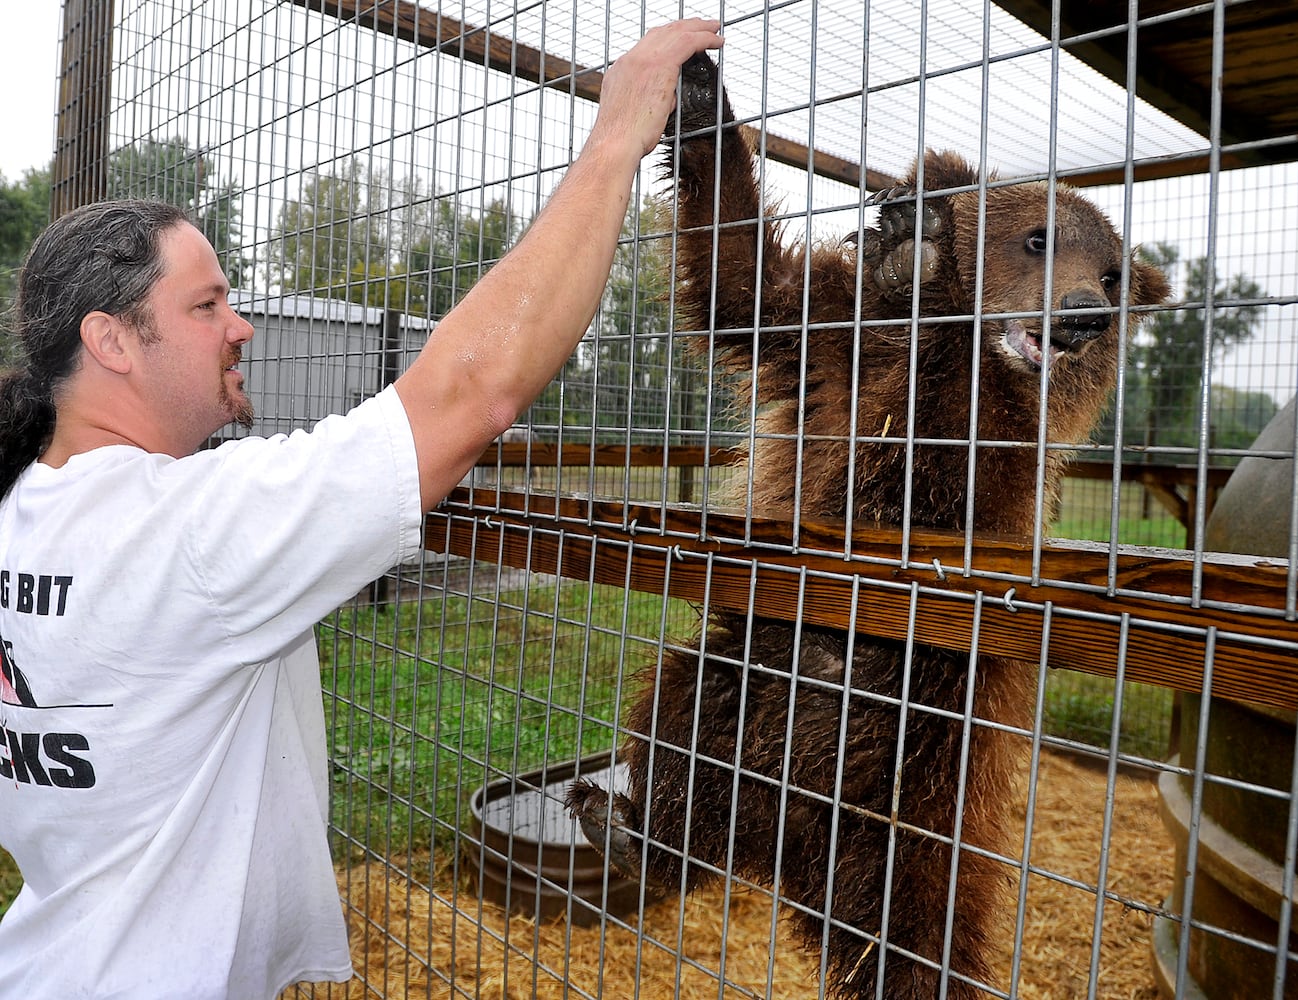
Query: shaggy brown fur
(772, 695)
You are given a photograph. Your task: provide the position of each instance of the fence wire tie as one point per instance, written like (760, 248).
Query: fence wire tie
(486, 523)
(678, 552)
(1008, 601)
(937, 568)
(631, 528)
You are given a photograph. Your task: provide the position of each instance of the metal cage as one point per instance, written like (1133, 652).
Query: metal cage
(359, 164)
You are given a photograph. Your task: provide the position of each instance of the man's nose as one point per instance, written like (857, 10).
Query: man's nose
(241, 330)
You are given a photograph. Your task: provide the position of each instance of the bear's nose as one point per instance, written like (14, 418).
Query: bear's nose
(1075, 329)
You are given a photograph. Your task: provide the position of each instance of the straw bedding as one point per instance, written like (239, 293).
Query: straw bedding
(408, 943)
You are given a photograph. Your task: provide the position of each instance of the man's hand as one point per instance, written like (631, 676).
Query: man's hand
(639, 90)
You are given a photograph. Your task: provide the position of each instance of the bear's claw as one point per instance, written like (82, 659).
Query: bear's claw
(611, 825)
(897, 213)
(896, 272)
(891, 247)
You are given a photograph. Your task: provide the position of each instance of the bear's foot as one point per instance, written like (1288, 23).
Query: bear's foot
(612, 825)
(897, 213)
(895, 274)
(891, 247)
(699, 102)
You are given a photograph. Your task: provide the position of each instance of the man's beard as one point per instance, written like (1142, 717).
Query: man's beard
(240, 409)
(244, 415)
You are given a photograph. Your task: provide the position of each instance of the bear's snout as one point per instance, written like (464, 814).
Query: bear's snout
(1074, 329)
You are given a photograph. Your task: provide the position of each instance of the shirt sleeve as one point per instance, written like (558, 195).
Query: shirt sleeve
(285, 529)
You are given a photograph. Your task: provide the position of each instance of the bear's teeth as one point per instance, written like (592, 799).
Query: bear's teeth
(1027, 345)
(1023, 343)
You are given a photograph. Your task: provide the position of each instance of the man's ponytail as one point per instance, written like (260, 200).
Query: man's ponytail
(26, 423)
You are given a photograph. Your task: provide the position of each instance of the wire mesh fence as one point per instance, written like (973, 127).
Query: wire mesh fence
(871, 691)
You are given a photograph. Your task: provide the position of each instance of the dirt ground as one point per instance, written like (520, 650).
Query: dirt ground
(406, 943)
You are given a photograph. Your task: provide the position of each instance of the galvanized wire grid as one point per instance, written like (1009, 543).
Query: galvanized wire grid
(358, 184)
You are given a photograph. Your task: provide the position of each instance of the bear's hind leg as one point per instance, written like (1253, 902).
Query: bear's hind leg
(682, 787)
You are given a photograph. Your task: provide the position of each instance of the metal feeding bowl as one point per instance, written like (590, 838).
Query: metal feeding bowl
(528, 855)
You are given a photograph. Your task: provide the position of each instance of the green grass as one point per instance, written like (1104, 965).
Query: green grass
(427, 703)
(433, 701)
(1164, 532)
(1079, 707)
(1086, 511)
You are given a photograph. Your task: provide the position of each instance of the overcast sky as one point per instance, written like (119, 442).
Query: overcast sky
(29, 54)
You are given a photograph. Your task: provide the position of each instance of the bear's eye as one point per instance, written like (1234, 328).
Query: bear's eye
(1111, 280)
(1036, 242)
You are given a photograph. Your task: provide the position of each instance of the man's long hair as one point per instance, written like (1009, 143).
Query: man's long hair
(104, 257)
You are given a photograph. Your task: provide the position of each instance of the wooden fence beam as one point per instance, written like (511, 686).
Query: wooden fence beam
(1086, 615)
(1164, 482)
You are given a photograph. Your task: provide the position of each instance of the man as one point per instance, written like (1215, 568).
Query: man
(162, 768)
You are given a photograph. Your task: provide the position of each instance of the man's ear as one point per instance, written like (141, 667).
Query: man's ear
(104, 337)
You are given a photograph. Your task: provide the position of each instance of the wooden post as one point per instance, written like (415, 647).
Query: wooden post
(85, 91)
(392, 345)
(389, 368)
(685, 381)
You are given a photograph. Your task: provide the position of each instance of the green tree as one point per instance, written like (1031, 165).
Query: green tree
(365, 238)
(173, 171)
(617, 378)
(167, 169)
(456, 249)
(24, 212)
(1166, 361)
(327, 242)
(1239, 415)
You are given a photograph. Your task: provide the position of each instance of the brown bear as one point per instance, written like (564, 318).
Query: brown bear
(830, 766)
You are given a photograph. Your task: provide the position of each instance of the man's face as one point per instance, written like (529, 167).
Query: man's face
(192, 343)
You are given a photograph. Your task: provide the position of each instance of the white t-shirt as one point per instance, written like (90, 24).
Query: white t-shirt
(163, 782)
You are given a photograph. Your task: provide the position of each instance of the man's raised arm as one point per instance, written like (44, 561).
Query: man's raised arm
(491, 356)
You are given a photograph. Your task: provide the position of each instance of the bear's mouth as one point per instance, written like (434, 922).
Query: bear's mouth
(1027, 344)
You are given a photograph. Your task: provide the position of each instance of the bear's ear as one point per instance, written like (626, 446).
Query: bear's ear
(1149, 285)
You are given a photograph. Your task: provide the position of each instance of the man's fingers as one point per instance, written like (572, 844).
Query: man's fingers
(639, 89)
